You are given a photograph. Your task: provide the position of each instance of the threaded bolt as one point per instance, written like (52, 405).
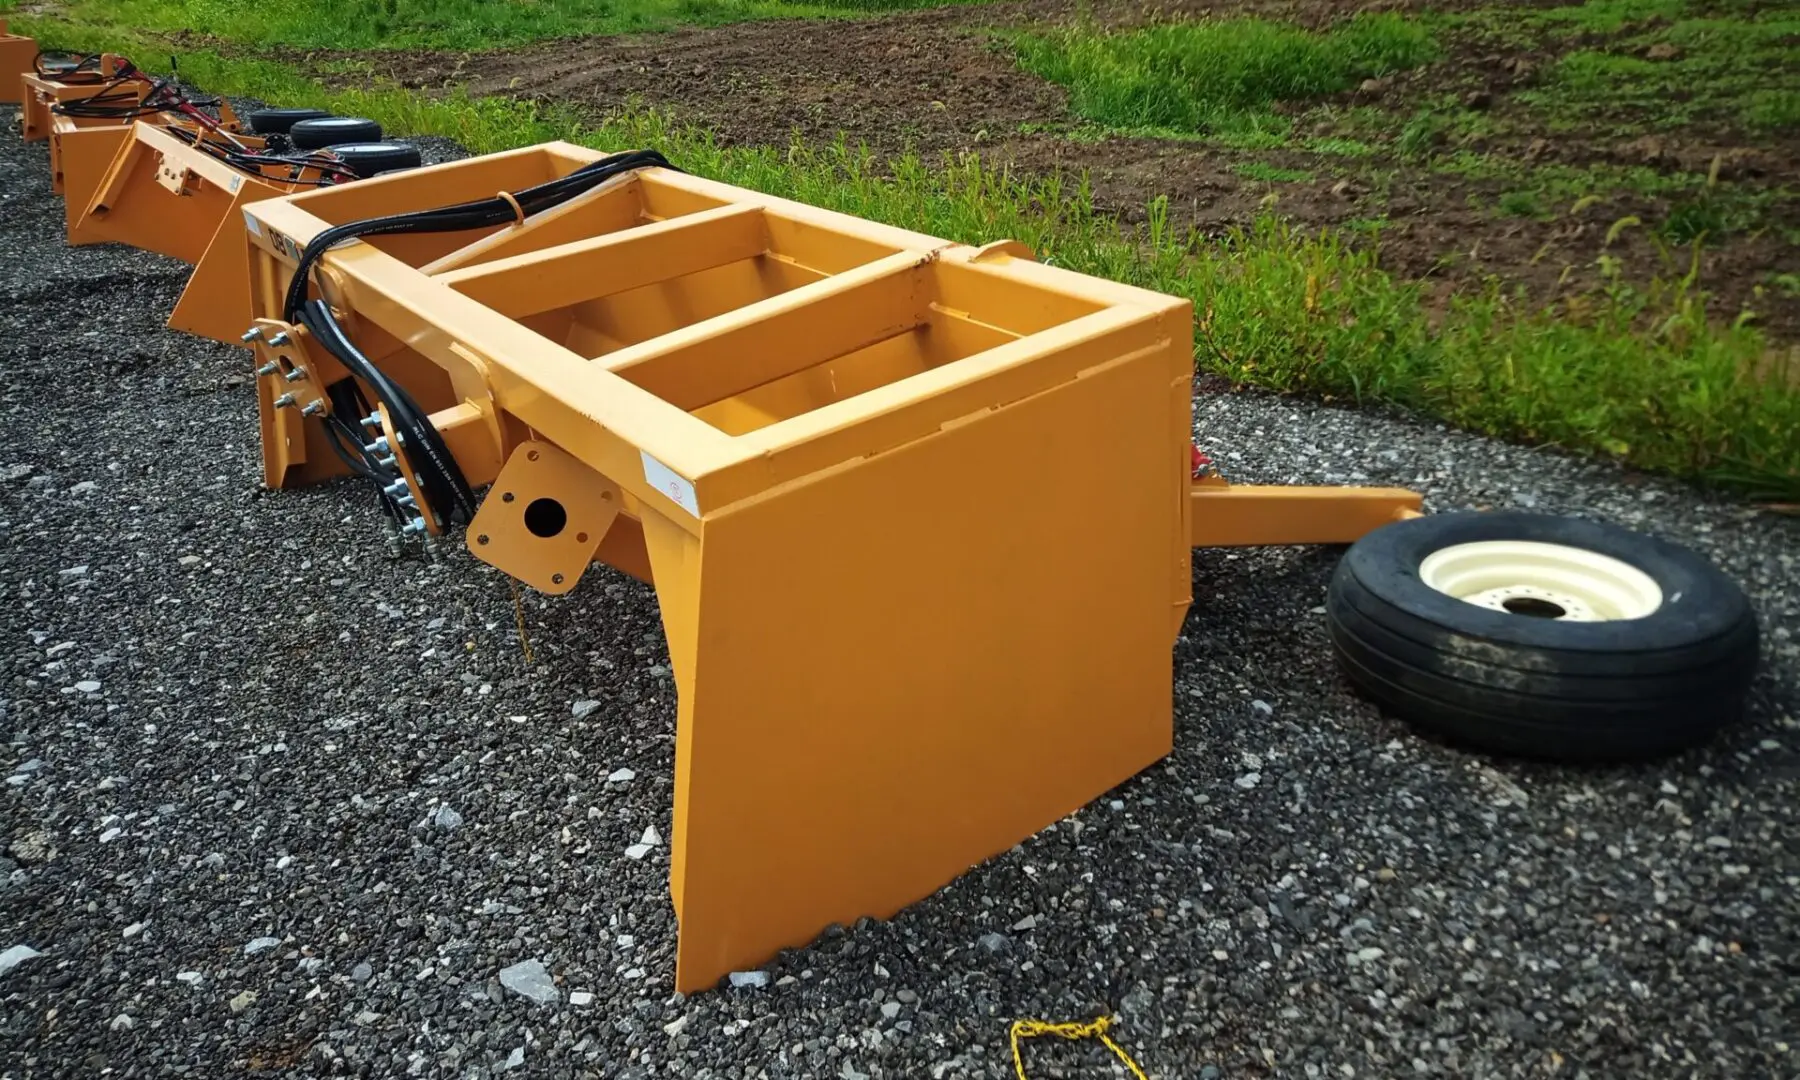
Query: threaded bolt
(284, 401)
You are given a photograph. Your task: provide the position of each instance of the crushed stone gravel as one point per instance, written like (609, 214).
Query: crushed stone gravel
(231, 718)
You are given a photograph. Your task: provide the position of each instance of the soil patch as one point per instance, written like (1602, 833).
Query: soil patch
(1499, 196)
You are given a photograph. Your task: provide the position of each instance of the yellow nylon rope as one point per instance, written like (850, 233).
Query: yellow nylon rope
(519, 617)
(1031, 1029)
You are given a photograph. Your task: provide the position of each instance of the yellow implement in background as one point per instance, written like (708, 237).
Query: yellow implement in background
(159, 190)
(16, 56)
(39, 92)
(83, 149)
(917, 515)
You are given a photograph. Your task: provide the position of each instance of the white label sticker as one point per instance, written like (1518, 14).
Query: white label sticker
(250, 223)
(666, 480)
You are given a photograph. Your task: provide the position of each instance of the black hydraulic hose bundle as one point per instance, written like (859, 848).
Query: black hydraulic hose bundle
(254, 161)
(74, 68)
(446, 491)
(440, 480)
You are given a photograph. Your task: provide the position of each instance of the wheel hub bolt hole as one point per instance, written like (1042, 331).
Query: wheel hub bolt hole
(1533, 607)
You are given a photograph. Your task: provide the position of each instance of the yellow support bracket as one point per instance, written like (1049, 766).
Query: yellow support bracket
(1236, 515)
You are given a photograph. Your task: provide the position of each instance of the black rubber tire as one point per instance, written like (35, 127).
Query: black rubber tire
(280, 121)
(1540, 687)
(332, 131)
(371, 159)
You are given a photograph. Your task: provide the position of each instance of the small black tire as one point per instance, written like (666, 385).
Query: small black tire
(281, 121)
(1606, 669)
(332, 131)
(372, 159)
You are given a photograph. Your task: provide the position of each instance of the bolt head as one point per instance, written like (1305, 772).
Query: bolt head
(251, 335)
(284, 401)
(280, 338)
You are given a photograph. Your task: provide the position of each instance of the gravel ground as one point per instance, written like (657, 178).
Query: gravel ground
(276, 802)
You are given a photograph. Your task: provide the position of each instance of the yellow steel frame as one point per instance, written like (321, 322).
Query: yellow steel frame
(918, 515)
(16, 56)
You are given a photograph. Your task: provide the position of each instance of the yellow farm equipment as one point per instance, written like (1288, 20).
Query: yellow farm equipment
(50, 84)
(16, 56)
(176, 189)
(917, 514)
(138, 163)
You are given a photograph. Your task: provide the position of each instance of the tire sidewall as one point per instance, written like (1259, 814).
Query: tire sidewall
(368, 160)
(1699, 603)
(327, 131)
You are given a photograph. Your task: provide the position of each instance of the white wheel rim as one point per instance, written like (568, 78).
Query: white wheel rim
(1542, 581)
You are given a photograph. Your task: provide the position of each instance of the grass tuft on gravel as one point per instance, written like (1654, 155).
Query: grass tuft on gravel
(1640, 374)
(1219, 75)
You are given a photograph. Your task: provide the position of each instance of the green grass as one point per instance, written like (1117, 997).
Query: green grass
(1568, 183)
(1438, 124)
(1270, 174)
(1651, 65)
(1697, 208)
(1771, 109)
(1521, 204)
(435, 24)
(1354, 148)
(1638, 373)
(1221, 75)
(1271, 135)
